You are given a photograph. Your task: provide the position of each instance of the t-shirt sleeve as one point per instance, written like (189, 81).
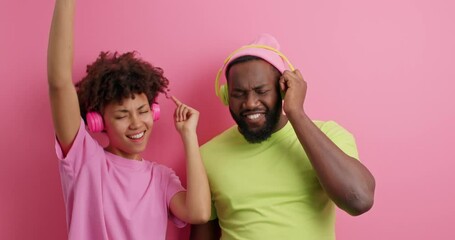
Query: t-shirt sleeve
(341, 137)
(174, 186)
(83, 147)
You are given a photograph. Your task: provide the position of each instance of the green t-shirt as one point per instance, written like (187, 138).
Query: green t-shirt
(270, 190)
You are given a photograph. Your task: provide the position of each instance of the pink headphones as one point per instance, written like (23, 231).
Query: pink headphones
(95, 120)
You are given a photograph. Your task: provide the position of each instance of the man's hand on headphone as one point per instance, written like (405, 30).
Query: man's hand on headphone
(294, 87)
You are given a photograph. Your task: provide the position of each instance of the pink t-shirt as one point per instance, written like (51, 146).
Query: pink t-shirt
(109, 197)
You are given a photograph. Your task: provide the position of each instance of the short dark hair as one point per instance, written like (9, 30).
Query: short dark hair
(114, 77)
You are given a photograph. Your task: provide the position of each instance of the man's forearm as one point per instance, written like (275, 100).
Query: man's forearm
(347, 182)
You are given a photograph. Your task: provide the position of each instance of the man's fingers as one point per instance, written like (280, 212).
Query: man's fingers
(298, 73)
(282, 83)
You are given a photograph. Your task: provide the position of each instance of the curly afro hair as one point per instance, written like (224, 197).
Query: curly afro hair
(114, 77)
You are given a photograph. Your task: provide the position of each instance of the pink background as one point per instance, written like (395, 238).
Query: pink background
(383, 69)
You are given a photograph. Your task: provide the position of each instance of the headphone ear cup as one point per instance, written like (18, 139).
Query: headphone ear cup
(224, 96)
(94, 122)
(156, 111)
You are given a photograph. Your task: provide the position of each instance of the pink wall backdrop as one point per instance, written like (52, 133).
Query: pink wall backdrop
(383, 69)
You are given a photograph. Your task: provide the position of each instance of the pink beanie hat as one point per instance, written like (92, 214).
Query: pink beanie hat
(265, 47)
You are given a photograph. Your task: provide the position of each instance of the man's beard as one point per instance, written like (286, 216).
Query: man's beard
(272, 116)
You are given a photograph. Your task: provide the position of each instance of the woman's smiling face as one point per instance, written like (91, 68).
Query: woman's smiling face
(128, 126)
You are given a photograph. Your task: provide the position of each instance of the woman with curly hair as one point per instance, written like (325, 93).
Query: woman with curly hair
(112, 192)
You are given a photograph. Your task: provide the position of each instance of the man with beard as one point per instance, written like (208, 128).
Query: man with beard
(277, 174)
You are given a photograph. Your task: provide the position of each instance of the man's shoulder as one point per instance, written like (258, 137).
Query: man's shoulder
(226, 135)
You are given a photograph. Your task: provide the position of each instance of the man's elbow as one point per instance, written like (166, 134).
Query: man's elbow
(361, 199)
(360, 202)
(360, 207)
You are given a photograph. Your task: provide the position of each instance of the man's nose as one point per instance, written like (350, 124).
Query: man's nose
(251, 101)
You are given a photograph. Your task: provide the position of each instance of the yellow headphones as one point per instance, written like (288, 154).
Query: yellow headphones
(222, 90)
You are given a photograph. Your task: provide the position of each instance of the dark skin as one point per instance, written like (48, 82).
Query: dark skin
(347, 182)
